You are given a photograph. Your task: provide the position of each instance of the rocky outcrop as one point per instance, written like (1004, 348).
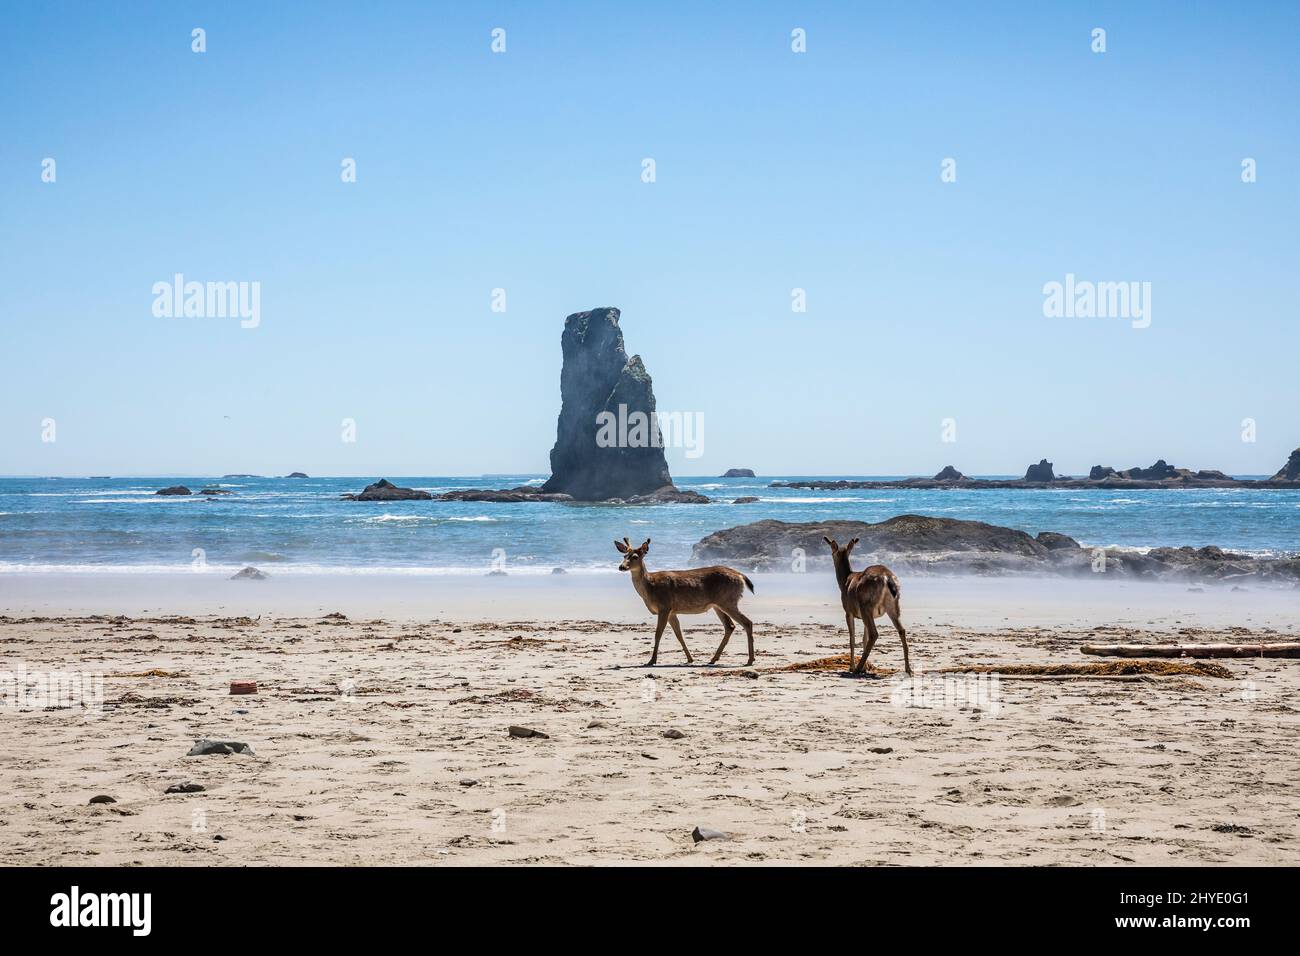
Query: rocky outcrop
(739, 473)
(216, 491)
(1040, 472)
(1160, 471)
(745, 500)
(295, 474)
(385, 490)
(1291, 470)
(505, 496)
(249, 574)
(1098, 472)
(174, 490)
(923, 545)
(600, 385)
(949, 473)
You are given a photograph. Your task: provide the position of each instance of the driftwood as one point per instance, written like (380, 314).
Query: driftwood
(1275, 649)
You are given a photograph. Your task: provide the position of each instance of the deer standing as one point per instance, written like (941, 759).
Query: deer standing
(867, 594)
(669, 593)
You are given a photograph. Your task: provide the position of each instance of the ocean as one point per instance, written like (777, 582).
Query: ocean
(287, 526)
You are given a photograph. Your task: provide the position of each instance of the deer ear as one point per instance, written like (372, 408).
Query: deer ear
(849, 547)
(830, 542)
(621, 547)
(645, 547)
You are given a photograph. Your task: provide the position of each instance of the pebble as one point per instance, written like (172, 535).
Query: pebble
(517, 731)
(700, 834)
(102, 798)
(185, 788)
(672, 733)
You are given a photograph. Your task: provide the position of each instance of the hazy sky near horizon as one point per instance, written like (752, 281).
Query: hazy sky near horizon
(522, 170)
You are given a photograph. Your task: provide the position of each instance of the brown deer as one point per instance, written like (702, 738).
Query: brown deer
(867, 594)
(669, 593)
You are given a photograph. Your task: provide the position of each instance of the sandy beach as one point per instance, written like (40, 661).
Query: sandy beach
(381, 734)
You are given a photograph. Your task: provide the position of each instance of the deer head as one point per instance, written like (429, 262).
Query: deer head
(631, 556)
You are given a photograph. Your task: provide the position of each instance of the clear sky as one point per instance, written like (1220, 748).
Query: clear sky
(523, 170)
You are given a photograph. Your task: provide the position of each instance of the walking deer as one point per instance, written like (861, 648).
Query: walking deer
(867, 594)
(669, 593)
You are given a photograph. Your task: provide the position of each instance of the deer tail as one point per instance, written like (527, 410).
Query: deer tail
(892, 584)
(748, 583)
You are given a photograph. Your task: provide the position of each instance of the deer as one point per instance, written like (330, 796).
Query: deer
(670, 593)
(867, 594)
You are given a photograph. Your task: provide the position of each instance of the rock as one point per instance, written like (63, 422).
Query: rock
(241, 476)
(881, 750)
(558, 571)
(101, 798)
(213, 491)
(669, 494)
(526, 732)
(505, 496)
(700, 834)
(949, 473)
(295, 474)
(249, 574)
(672, 733)
(739, 473)
(1040, 472)
(745, 500)
(770, 544)
(598, 379)
(385, 490)
(202, 748)
(243, 687)
(1160, 471)
(496, 573)
(468, 782)
(1098, 472)
(1291, 470)
(1053, 541)
(174, 490)
(185, 788)
(596, 724)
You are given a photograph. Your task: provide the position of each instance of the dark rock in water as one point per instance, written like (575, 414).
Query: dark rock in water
(241, 476)
(1211, 474)
(1053, 541)
(174, 490)
(385, 490)
(1160, 471)
(203, 748)
(921, 545)
(102, 798)
(949, 473)
(745, 500)
(739, 473)
(1291, 470)
(506, 496)
(1040, 472)
(597, 377)
(295, 474)
(526, 732)
(700, 834)
(215, 491)
(249, 574)
(185, 788)
(662, 496)
(1098, 472)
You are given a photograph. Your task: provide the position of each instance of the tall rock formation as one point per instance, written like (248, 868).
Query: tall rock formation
(598, 377)
(1291, 470)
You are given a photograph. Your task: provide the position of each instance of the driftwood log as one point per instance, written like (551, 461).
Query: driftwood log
(1275, 649)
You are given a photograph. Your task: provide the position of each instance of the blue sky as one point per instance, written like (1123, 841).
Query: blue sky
(522, 171)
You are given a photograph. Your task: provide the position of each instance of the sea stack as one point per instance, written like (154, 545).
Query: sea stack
(1291, 470)
(598, 377)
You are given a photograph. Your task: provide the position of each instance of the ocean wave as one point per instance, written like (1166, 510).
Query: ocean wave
(475, 518)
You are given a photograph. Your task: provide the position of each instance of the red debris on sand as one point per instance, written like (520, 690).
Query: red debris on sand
(243, 687)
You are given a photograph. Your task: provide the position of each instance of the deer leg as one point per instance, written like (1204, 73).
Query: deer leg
(848, 617)
(659, 632)
(872, 635)
(677, 629)
(729, 625)
(748, 625)
(902, 635)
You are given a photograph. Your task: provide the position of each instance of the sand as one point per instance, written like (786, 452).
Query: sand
(381, 737)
